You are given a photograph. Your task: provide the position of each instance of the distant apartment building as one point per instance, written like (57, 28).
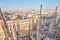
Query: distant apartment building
(22, 26)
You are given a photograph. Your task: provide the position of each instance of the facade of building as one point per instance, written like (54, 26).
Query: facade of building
(21, 26)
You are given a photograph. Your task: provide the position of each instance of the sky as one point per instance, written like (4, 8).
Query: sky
(28, 4)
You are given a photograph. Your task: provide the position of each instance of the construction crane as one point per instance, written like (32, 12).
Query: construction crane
(5, 27)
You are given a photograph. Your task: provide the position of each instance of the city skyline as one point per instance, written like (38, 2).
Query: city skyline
(29, 19)
(28, 4)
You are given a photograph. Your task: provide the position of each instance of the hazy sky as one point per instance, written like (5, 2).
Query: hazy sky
(28, 4)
